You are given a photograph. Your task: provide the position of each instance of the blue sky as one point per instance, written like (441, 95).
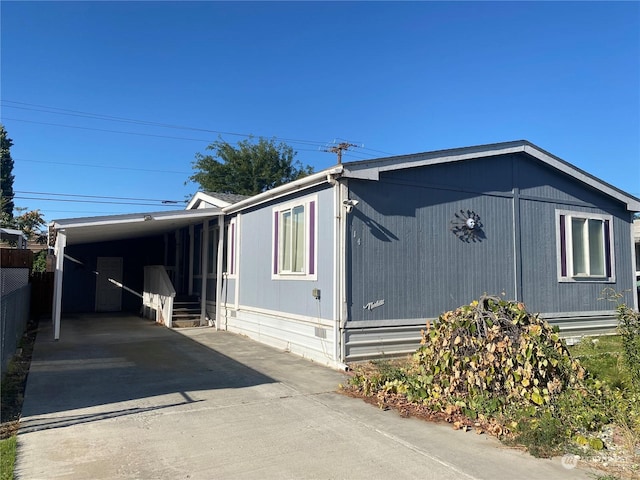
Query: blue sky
(397, 77)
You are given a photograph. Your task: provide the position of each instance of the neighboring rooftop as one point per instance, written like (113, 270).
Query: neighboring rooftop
(230, 198)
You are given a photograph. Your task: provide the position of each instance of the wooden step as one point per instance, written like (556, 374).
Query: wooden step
(186, 313)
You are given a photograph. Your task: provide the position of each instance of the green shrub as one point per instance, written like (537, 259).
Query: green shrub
(492, 349)
(493, 364)
(629, 329)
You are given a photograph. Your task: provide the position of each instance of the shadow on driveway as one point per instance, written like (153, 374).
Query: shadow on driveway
(104, 359)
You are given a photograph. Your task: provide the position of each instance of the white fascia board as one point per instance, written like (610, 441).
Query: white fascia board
(133, 218)
(370, 170)
(632, 203)
(200, 197)
(286, 189)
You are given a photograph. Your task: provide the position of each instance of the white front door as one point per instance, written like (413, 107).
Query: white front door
(109, 294)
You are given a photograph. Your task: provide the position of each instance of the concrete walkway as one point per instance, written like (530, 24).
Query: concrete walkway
(121, 397)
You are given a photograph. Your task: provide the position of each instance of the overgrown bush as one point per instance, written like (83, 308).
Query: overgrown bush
(499, 366)
(494, 350)
(629, 329)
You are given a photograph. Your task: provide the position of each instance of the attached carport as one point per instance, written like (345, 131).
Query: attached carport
(116, 228)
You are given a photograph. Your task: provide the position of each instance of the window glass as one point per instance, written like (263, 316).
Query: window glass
(285, 242)
(585, 247)
(294, 251)
(578, 246)
(596, 248)
(297, 240)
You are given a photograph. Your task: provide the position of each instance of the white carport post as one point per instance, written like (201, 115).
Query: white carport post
(61, 243)
(204, 257)
(219, 272)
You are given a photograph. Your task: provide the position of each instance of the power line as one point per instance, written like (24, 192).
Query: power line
(363, 147)
(108, 131)
(97, 116)
(89, 201)
(339, 148)
(102, 166)
(109, 212)
(101, 196)
(170, 137)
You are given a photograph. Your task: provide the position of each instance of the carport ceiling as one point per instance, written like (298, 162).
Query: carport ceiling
(134, 225)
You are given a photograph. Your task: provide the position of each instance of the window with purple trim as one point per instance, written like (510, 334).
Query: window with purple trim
(294, 240)
(585, 247)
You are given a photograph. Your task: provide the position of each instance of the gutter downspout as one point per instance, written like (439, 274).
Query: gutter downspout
(61, 243)
(342, 196)
(339, 271)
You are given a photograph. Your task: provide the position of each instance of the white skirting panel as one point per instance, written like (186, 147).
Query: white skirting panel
(310, 338)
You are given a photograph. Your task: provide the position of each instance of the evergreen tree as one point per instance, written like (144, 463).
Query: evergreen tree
(6, 174)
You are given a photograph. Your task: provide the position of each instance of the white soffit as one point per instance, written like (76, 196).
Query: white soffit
(137, 225)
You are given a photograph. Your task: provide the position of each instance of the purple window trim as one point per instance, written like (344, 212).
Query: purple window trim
(563, 247)
(607, 248)
(276, 243)
(312, 237)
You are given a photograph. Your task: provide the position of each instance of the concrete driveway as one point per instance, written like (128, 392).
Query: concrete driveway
(122, 397)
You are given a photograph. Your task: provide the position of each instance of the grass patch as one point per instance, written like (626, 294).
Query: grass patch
(603, 357)
(7, 457)
(12, 398)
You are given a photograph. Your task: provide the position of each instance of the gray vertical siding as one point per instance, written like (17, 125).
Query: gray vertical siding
(401, 249)
(255, 258)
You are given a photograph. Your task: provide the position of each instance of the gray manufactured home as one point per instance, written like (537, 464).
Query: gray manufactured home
(349, 263)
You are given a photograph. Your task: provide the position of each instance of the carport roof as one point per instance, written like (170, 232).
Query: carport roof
(132, 225)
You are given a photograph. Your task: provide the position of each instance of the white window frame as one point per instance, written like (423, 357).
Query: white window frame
(565, 246)
(310, 242)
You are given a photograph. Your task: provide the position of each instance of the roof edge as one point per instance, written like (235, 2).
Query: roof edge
(285, 189)
(370, 169)
(131, 218)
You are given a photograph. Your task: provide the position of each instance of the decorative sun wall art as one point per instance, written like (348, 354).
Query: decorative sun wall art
(467, 227)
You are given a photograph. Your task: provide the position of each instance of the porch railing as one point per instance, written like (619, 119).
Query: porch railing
(158, 295)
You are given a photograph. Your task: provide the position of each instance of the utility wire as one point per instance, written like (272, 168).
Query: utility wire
(102, 166)
(101, 196)
(170, 137)
(89, 201)
(96, 116)
(108, 131)
(61, 111)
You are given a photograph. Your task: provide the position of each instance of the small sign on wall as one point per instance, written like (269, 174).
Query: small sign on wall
(373, 305)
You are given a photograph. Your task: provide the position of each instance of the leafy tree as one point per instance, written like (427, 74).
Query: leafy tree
(40, 262)
(248, 168)
(6, 173)
(31, 222)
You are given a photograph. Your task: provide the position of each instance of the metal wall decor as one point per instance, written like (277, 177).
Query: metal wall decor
(467, 226)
